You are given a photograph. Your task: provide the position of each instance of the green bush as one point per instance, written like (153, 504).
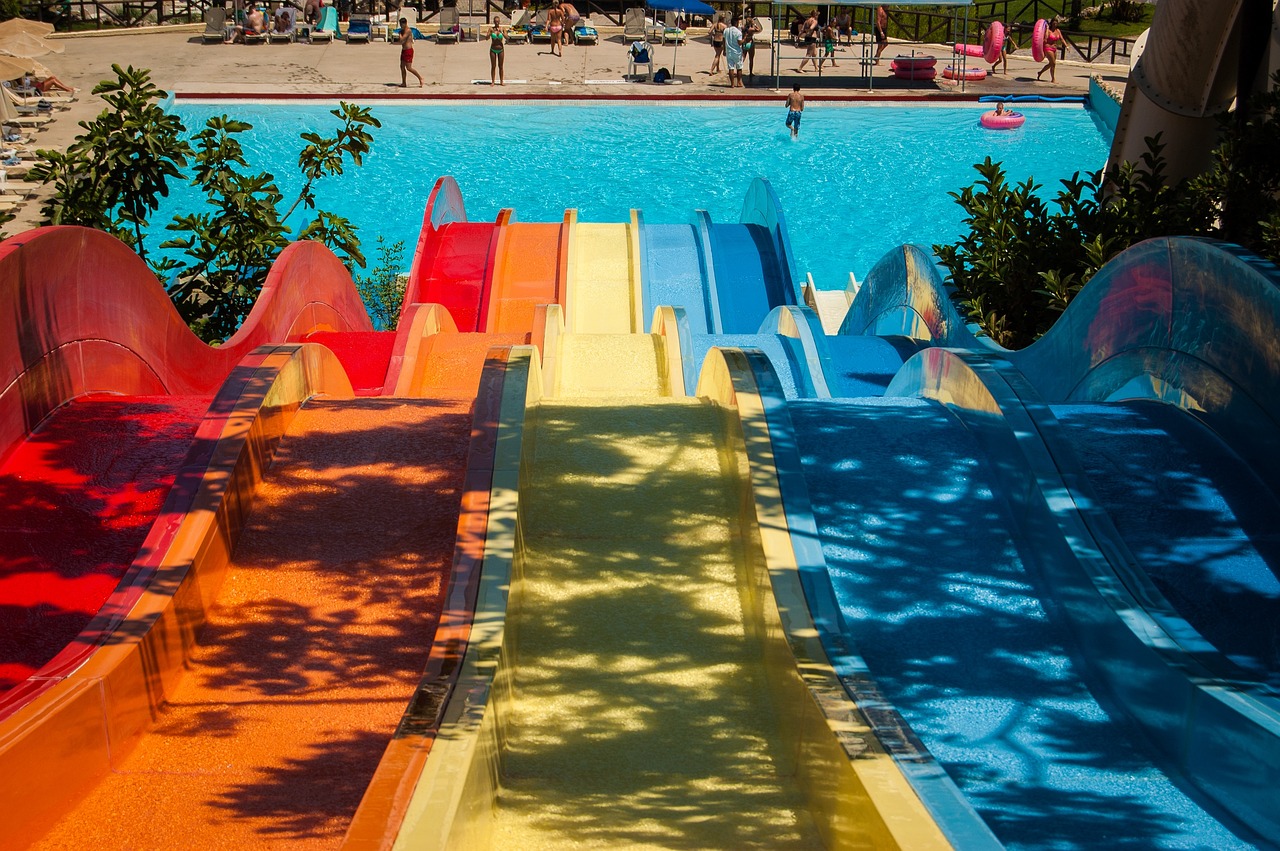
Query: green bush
(383, 288)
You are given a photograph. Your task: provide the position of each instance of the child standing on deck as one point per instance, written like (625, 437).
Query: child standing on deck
(829, 33)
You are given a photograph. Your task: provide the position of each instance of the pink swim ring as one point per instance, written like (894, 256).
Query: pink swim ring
(1038, 33)
(1002, 120)
(914, 67)
(970, 50)
(953, 72)
(993, 42)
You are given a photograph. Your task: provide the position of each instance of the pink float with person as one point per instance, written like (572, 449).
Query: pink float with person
(1002, 119)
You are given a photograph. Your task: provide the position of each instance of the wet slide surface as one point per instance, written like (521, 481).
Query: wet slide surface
(673, 273)
(956, 629)
(747, 282)
(641, 719)
(454, 274)
(77, 499)
(365, 356)
(314, 647)
(1197, 519)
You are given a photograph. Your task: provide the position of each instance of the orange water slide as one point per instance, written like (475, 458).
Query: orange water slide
(334, 521)
(529, 269)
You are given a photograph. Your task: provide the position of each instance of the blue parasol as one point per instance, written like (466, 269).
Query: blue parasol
(692, 7)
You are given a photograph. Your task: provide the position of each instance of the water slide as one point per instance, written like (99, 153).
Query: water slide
(1190, 72)
(102, 391)
(631, 672)
(311, 631)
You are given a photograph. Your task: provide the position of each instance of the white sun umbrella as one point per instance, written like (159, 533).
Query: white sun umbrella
(14, 26)
(12, 67)
(27, 46)
(693, 7)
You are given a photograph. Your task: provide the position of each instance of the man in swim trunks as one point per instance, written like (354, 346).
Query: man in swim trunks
(571, 18)
(733, 52)
(555, 26)
(795, 110)
(406, 55)
(881, 31)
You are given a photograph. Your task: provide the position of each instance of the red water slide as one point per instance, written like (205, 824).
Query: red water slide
(102, 387)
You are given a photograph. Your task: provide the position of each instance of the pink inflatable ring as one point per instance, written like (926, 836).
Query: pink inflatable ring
(1002, 120)
(914, 67)
(1038, 33)
(993, 42)
(970, 50)
(953, 72)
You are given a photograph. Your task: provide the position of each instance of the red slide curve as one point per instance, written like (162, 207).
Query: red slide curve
(102, 387)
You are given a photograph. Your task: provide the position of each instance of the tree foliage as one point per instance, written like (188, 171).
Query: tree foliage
(383, 288)
(1022, 259)
(115, 173)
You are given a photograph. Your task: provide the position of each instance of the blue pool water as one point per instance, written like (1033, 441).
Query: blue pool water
(860, 180)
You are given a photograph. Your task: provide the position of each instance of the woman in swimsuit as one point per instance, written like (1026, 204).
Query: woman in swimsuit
(1051, 38)
(749, 29)
(497, 49)
(717, 45)
(406, 55)
(555, 26)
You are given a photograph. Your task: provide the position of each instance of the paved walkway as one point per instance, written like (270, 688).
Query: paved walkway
(181, 63)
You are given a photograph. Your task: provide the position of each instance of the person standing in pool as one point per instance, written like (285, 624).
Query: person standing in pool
(795, 110)
(497, 51)
(555, 26)
(406, 55)
(733, 53)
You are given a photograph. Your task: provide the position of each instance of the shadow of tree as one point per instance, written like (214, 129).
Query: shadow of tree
(642, 714)
(963, 641)
(1197, 519)
(77, 498)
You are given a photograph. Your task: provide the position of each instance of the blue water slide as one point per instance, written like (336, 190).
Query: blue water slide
(747, 280)
(674, 272)
(1195, 516)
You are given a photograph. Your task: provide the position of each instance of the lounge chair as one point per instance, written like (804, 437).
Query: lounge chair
(538, 31)
(517, 31)
(38, 102)
(215, 25)
(327, 26)
(9, 115)
(633, 25)
(289, 33)
(586, 33)
(359, 28)
(448, 26)
(638, 55)
(670, 32)
(251, 37)
(764, 38)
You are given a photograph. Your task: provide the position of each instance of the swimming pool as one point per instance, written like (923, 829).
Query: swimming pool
(859, 181)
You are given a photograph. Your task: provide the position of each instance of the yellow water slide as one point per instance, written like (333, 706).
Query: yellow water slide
(628, 684)
(1188, 74)
(604, 278)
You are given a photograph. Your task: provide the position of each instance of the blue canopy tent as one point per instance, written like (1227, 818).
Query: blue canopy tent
(690, 7)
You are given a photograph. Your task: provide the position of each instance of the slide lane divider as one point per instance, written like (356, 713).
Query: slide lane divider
(499, 408)
(876, 782)
(703, 220)
(87, 718)
(1154, 664)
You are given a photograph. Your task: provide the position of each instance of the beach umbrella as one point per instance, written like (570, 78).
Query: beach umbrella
(27, 46)
(691, 7)
(12, 67)
(15, 26)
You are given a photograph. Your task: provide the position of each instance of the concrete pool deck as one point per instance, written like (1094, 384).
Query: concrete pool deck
(181, 63)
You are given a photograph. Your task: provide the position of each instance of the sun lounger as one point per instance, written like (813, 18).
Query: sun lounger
(215, 25)
(517, 32)
(32, 105)
(9, 115)
(28, 94)
(633, 25)
(586, 33)
(359, 28)
(287, 35)
(670, 31)
(327, 26)
(449, 26)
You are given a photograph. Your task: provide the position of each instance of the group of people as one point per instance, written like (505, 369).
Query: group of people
(256, 20)
(818, 37)
(735, 42)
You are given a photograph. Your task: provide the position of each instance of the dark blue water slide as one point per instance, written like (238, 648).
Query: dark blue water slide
(970, 645)
(1197, 519)
(864, 365)
(749, 283)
